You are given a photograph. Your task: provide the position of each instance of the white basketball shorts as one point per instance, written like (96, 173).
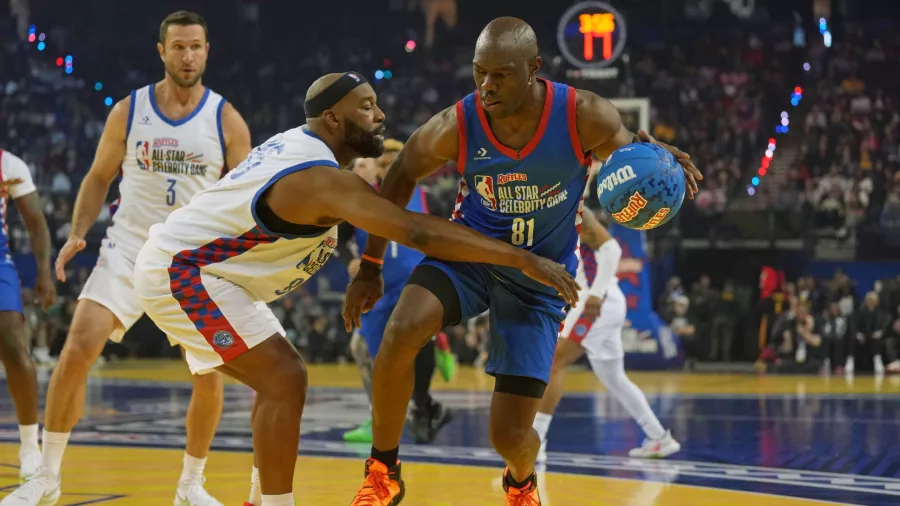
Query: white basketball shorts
(213, 319)
(601, 338)
(111, 284)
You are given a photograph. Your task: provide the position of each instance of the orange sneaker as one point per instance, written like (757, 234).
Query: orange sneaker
(524, 496)
(383, 486)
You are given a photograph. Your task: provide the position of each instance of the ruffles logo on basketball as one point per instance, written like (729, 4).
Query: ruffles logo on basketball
(656, 219)
(635, 203)
(223, 339)
(621, 175)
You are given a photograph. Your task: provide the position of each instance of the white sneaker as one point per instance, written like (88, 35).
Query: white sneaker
(193, 494)
(879, 366)
(41, 490)
(656, 449)
(29, 463)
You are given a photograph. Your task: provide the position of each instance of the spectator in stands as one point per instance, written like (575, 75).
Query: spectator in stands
(800, 347)
(683, 327)
(665, 307)
(871, 322)
(837, 330)
(724, 324)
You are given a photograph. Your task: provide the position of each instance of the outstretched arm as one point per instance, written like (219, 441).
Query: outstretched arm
(600, 129)
(427, 150)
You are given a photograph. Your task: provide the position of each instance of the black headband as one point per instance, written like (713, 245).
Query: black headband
(331, 95)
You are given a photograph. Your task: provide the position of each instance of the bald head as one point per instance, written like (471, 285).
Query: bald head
(511, 35)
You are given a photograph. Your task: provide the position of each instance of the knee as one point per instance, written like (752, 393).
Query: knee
(209, 385)
(405, 335)
(507, 439)
(287, 383)
(12, 343)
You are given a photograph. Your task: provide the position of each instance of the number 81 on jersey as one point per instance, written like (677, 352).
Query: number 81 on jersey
(521, 231)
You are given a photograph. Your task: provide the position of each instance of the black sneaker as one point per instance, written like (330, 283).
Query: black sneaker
(425, 425)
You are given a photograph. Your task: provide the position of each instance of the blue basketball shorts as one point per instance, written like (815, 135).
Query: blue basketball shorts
(373, 323)
(524, 324)
(10, 288)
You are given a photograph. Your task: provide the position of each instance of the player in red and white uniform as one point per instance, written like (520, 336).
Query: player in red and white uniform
(166, 142)
(594, 327)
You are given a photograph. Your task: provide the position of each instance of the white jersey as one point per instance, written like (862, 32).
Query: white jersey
(220, 233)
(166, 163)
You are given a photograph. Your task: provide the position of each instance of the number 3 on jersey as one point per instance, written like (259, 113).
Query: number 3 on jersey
(521, 228)
(170, 192)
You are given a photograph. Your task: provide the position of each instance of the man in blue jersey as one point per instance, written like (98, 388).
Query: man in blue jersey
(428, 416)
(16, 184)
(522, 145)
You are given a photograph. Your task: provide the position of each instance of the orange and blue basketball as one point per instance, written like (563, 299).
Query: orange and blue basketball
(641, 186)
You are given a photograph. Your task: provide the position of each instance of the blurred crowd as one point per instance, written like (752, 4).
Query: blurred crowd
(846, 171)
(715, 92)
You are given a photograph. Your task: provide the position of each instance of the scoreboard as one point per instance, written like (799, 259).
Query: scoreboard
(591, 36)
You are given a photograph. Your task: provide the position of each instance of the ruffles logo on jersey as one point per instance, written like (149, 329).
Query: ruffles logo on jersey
(484, 185)
(163, 155)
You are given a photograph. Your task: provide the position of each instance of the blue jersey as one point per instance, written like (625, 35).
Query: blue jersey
(399, 261)
(530, 198)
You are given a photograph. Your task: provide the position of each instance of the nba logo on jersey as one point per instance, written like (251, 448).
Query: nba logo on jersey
(223, 339)
(484, 185)
(143, 155)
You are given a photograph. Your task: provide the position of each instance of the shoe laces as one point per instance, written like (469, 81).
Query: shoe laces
(524, 498)
(374, 489)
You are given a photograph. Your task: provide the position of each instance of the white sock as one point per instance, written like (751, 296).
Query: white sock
(54, 446)
(612, 374)
(278, 500)
(192, 470)
(28, 438)
(255, 490)
(542, 425)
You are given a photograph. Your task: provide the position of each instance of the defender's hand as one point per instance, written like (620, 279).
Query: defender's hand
(69, 249)
(363, 292)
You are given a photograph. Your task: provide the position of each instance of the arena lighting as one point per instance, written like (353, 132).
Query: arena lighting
(388, 74)
(98, 86)
(784, 114)
(41, 37)
(379, 74)
(59, 62)
(798, 90)
(806, 66)
(762, 171)
(751, 191)
(41, 46)
(31, 37)
(68, 60)
(765, 163)
(410, 46)
(68, 69)
(769, 153)
(755, 181)
(771, 146)
(108, 101)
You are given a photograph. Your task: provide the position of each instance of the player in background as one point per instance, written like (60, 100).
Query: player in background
(205, 274)
(16, 184)
(594, 327)
(522, 145)
(166, 142)
(427, 416)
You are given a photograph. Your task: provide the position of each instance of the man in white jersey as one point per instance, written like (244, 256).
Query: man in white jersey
(166, 141)
(267, 228)
(21, 379)
(594, 327)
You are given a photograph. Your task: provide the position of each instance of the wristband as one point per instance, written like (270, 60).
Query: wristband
(370, 259)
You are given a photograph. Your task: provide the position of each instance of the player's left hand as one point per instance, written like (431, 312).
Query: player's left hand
(592, 308)
(691, 173)
(45, 291)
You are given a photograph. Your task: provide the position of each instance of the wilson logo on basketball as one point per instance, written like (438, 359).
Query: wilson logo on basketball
(635, 203)
(656, 219)
(616, 178)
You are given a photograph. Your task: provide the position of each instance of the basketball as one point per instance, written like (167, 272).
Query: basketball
(641, 186)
